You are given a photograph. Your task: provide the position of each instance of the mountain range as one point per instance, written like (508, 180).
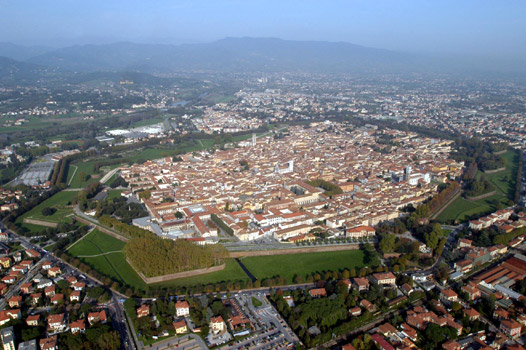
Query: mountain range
(231, 55)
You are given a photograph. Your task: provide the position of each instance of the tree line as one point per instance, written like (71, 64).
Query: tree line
(154, 256)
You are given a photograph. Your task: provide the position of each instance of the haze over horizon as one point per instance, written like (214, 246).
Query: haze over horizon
(469, 28)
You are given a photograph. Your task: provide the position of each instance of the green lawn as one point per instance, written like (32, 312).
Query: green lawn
(60, 201)
(87, 167)
(114, 264)
(96, 242)
(114, 194)
(231, 272)
(504, 182)
(302, 264)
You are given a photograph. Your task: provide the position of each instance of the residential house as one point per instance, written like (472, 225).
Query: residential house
(511, 328)
(94, 317)
(361, 284)
(33, 320)
(74, 296)
(451, 345)
(54, 271)
(217, 325)
(26, 288)
(35, 298)
(56, 323)
(180, 327)
(57, 298)
(50, 291)
(79, 286)
(78, 326)
(472, 314)
(5, 262)
(355, 311)
(15, 301)
(32, 254)
(318, 292)
(49, 343)
(449, 295)
(143, 310)
(182, 309)
(385, 278)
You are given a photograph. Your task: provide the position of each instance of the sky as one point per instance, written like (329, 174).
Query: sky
(459, 27)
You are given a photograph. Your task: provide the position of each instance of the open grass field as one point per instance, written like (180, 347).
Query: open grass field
(504, 182)
(114, 194)
(231, 272)
(302, 264)
(86, 167)
(60, 201)
(113, 264)
(96, 242)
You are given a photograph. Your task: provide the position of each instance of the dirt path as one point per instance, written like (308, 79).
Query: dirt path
(96, 255)
(73, 176)
(40, 223)
(333, 248)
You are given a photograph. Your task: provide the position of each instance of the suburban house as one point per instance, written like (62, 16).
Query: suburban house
(180, 327)
(56, 323)
(360, 283)
(143, 310)
(385, 278)
(217, 325)
(94, 317)
(182, 309)
(78, 326)
(318, 292)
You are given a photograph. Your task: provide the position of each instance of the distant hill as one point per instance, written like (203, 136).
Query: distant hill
(15, 72)
(250, 55)
(22, 53)
(230, 54)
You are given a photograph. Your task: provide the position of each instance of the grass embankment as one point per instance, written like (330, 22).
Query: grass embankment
(104, 254)
(304, 264)
(504, 182)
(61, 201)
(75, 169)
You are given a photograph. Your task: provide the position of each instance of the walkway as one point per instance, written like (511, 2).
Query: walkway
(73, 176)
(109, 175)
(96, 255)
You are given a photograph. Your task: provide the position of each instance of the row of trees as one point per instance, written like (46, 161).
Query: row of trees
(60, 172)
(221, 224)
(447, 192)
(127, 230)
(518, 180)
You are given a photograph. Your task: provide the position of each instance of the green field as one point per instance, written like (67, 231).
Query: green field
(96, 242)
(231, 272)
(59, 201)
(113, 264)
(302, 264)
(86, 167)
(504, 182)
(114, 194)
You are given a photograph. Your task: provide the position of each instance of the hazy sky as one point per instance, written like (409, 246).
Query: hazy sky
(496, 27)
